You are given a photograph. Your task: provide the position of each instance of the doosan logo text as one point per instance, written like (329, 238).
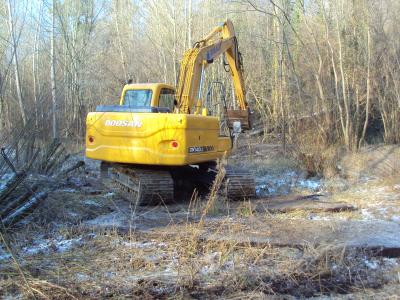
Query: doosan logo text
(123, 123)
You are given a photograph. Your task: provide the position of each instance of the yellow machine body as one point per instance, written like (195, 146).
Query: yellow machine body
(175, 129)
(170, 139)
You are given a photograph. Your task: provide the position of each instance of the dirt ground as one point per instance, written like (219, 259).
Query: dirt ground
(301, 238)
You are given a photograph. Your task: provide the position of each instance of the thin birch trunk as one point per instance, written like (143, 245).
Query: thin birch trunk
(174, 48)
(190, 24)
(15, 63)
(368, 90)
(53, 75)
(34, 66)
(347, 139)
(121, 51)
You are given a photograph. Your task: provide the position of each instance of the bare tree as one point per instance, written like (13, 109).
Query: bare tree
(321, 70)
(53, 74)
(34, 64)
(14, 46)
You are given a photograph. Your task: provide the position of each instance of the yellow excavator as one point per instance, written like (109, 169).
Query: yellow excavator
(159, 141)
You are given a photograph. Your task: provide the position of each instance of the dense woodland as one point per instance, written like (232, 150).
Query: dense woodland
(329, 66)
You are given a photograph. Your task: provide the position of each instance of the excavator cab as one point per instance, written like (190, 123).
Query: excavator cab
(144, 98)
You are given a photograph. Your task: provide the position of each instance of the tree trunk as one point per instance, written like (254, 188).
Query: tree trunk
(15, 62)
(53, 75)
(368, 91)
(34, 66)
(121, 51)
(190, 24)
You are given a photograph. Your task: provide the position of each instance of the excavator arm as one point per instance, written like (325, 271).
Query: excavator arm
(221, 40)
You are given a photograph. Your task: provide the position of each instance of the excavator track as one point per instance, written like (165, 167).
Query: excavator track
(143, 186)
(149, 186)
(239, 184)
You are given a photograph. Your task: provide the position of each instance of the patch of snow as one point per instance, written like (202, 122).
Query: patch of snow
(65, 245)
(262, 189)
(73, 214)
(45, 245)
(162, 290)
(383, 210)
(139, 245)
(396, 219)
(143, 245)
(110, 274)
(4, 255)
(371, 264)
(366, 214)
(390, 261)
(68, 190)
(228, 265)
(162, 245)
(91, 202)
(207, 269)
(382, 189)
(111, 219)
(167, 272)
(212, 260)
(365, 178)
(76, 181)
(39, 247)
(4, 179)
(311, 184)
(92, 235)
(320, 218)
(13, 296)
(109, 194)
(281, 184)
(82, 277)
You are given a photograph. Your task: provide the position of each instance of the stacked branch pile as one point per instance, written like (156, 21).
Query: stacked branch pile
(25, 166)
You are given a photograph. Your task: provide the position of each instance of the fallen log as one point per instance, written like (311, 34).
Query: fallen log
(79, 164)
(23, 210)
(11, 205)
(55, 159)
(48, 155)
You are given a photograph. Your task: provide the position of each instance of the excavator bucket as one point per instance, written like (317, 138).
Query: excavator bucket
(239, 115)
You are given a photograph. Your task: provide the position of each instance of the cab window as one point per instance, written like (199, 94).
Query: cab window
(167, 97)
(137, 98)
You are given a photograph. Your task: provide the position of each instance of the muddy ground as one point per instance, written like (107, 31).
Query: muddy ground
(301, 238)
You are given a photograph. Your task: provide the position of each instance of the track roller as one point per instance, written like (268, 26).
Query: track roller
(143, 186)
(238, 183)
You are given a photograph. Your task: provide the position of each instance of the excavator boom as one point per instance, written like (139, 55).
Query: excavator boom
(220, 41)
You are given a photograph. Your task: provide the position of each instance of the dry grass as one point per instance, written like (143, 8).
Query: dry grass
(185, 266)
(261, 166)
(378, 198)
(373, 161)
(179, 262)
